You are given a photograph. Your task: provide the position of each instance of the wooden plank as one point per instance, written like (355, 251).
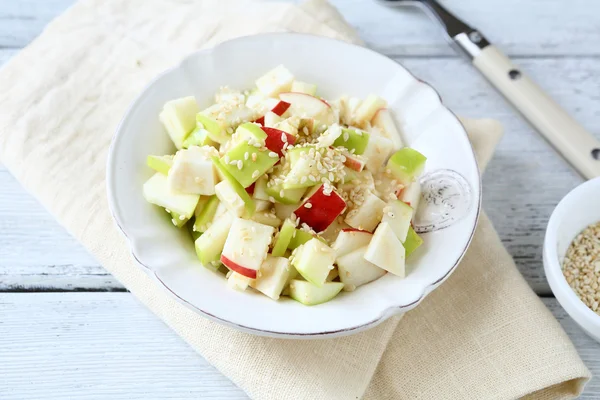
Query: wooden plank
(107, 345)
(97, 346)
(521, 28)
(524, 182)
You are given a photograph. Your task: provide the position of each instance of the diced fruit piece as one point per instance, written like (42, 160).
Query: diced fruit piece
(384, 121)
(221, 210)
(250, 189)
(293, 274)
(406, 164)
(216, 130)
(179, 118)
(285, 196)
(247, 163)
(283, 238)
(377, 152)
(198, 137)
(311, 295)
(386, 251)
(283, 211)
(156, 191)
(246, 246)
(398, 215)
(160, 164)
(320, 208)
(205, 213)
(368, 108)
(250, 207)
(353, 139)
(289, 125)
(349, 240)
(272, 277)
(299, 238)
(260, 187)
(228, 95)
(349, 175)
(329, 137)
(334, 273)
(195, 235)
(302, 87)
(347, 107)
(306, 126)
(280, 108)
(331, 233)
(266, 218)
(412, 242)
(367, 214)
(355, 163)
(238, 281)
(411, 195)
(230, 198)
(178, 220)
(210, 245)
(262, 205)
(307, 106)
(277, 80)
(355, 271)
(193, 172)
(270, 119)
(298, 176)
(249, 131)
(314, 260)
(277, 139)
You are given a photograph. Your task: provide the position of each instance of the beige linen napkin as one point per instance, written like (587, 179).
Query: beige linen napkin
(482, 335)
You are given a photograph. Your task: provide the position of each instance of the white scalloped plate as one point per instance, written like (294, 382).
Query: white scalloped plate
(337, 68)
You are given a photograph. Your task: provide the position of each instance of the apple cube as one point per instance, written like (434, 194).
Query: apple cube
(412, 242)
(311, 295)
(262, 205)
(367, 214)
(406, 165)
(307, 106)
(230, 198)
(280, 108)
(238, 281)
(277, 80)
(289, 125)
(320, 208)
(210, 245)
(246, 246)
(384, 121)
(377, 152)
(198, 137)
(239, 189)
(398, 215)
(349, 240)
(386, 251)
(250, 132)
(266, 218)
(271, 119)
(303, 87)
(314, 260)
(368, 108)
(355, 271)
(160, 164)
(205, 213)
(272, 276)
(353, 139)
(283, 238)
(193, 172)
(299, 238)
(355, 163)
(329, 137)
(347, 107)
(247, 163)
(221, 119)
(179, 118)
(156, 191)
(277, 140)
(412, 196)
(331, 233)
(284, 196)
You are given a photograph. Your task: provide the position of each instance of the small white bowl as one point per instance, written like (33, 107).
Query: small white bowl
(337, 68)
(579, 209)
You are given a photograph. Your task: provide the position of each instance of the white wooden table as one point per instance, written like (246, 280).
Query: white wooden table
(69, 329)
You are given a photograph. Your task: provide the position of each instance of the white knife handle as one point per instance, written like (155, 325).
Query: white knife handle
(577, 145)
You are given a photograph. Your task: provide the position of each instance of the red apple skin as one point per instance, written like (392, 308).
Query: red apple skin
(354, 164)
(250, 189)
(261, 121)
(399, 191)
(305, 94)
(281, 107)
(274, 142)
(324, 210)
(247, 272)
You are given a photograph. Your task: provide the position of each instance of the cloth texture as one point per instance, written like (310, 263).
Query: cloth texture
(482, 335)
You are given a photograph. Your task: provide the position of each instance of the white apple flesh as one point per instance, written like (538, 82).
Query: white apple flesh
(313, 260)
(246, 246)
(355, 271)
(384, 121)
(349, 240)
(307, 106)
(277, 80)
(367, 214)
(411, 195)
(193, 171)
(156, 191)
(386, 251)
(272, 277)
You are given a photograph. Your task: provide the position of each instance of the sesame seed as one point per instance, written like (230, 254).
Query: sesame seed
(240, 164)
(281, 193)
(254, 156)
(271, 199)
(312, 178)
(272, 154)
(167, 210)
(307, 205)
(246, 155)
(284, 137)
(174, 222)
(257, 145)
(233, 162)
(255, 174)
(226, 159)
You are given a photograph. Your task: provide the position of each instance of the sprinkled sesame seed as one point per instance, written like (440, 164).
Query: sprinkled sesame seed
(254, 156)
(240, 164)
(174, 222)
(284, 137)
(272, 154)
(307, 205)
(246, 155)
(257, 145)
(255, 174)
(281, 193)
(271, 199)
(233, 162)
(167, 210)
(226, 159)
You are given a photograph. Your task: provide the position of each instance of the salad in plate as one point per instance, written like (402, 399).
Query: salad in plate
(288, 193)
